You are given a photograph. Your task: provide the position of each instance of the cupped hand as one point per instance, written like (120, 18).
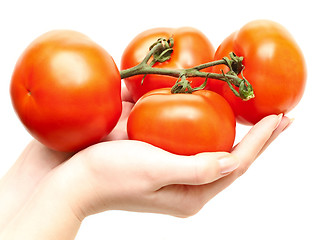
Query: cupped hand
(135, 176)
(45, 186)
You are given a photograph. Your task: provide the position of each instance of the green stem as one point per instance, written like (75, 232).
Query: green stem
(210, 64)
(161, 51)
(142, 69)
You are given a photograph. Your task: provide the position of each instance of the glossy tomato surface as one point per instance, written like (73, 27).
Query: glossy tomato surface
(191, 48)
(184, 124)
(274, 65)
(66, 90)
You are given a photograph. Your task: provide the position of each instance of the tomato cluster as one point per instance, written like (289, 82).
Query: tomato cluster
(66, 89)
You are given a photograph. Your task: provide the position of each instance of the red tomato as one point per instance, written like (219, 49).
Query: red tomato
(184, 124)
(66, 90)
(274, 65)
(191, 48)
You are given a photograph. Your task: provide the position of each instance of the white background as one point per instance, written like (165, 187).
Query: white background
(278, 198)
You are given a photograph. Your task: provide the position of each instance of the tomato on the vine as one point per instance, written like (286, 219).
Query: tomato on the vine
(184, 124)
(66, 89)
(274, 65)
(191, 48)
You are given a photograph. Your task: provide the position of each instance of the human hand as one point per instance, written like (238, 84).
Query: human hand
(135, 176)
(140, 177)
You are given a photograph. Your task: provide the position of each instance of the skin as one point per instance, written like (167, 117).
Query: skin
(143, 178)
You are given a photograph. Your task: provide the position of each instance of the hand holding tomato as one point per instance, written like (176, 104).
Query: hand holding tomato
(122, 175)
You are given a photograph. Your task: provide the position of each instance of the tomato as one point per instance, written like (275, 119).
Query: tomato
(274, 65)
(191, 48)
(66, 90)
(184, 124)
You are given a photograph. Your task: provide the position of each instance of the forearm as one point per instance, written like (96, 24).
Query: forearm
(47, 215)
(17, 186)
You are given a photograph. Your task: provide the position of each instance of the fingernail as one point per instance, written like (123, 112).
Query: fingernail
(289, 124)
(228, 164)
(279, 120)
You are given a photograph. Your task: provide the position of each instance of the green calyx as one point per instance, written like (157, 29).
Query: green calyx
(182, 85)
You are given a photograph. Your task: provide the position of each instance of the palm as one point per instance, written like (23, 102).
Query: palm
(120, 131)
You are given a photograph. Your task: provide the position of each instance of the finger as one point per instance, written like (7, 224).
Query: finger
(164, 168)
(284, 124)
(125, 94)
(120, 130)
(200, 169)
(247, 150)
(160, 168)
(250, 146)
(188, 200)
(186, 192)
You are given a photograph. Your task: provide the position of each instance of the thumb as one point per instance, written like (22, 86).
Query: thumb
(199, 169)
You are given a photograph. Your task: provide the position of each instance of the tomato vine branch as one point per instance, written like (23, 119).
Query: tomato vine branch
(161, 51)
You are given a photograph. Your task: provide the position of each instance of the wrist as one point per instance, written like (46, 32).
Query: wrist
(75, 183)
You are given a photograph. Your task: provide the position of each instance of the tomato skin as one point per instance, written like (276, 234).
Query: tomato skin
(184, 124)
(66, 90)
(274, 65)
(191, 48)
